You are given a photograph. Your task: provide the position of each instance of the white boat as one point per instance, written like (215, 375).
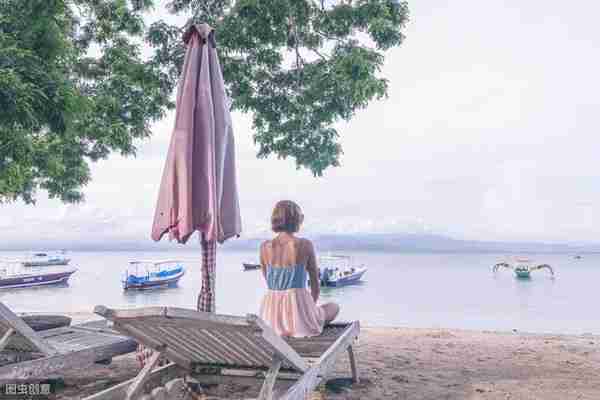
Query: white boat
(152, 274)
(339, 270)
(42, 259)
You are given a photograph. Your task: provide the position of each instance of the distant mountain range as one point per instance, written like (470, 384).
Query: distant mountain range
(392, 242)
(395, 242)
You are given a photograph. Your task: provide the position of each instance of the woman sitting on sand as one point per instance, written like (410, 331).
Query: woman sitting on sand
(285, 263)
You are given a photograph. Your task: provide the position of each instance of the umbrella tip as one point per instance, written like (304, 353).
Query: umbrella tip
(204, 30)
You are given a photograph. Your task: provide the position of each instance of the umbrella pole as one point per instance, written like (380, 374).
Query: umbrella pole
(206, 298)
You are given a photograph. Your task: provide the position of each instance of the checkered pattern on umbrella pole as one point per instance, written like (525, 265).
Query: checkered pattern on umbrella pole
(206, 298)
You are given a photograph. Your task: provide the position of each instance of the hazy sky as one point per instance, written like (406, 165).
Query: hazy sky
(490, 132)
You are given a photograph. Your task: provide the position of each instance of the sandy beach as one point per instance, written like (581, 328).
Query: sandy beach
(419, 364)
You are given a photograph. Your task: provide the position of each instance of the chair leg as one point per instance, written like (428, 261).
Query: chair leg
(138, 384)
(6, 338)
(353, 367)
(266, 391)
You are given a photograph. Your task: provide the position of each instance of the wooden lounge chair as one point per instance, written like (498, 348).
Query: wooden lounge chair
(25, 353)
(202, 345)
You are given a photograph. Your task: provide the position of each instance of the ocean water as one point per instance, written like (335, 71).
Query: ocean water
(404, 290)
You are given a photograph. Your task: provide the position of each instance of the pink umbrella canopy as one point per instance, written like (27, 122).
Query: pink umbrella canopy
(198, 191)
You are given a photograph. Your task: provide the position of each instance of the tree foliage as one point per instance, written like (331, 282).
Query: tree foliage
(74, 85)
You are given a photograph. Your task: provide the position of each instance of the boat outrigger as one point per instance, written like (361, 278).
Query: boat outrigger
(152, 274)
(337, 270)
(13, 276)
(522, 267)
(250, 266)
(43, 259)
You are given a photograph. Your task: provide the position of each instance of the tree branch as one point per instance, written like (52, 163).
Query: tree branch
(326, 36)
(324, 58)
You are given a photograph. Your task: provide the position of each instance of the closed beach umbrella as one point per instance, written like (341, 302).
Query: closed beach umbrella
(198, 191)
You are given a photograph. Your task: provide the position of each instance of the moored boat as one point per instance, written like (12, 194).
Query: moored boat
(143, 275)
(522, 267)
(338, 270)
(250, 266)
(12, 276)
(43, 259)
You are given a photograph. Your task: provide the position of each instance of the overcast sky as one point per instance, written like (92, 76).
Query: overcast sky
(490, 132)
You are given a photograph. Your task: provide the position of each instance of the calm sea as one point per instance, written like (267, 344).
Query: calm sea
(409, 290)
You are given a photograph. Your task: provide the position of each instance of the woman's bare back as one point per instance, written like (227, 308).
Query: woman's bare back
(284, 252)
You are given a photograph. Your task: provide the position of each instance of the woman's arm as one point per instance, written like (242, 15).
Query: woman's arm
(313, 271)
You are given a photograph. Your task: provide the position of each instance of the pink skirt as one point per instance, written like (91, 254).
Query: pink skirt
(292, 312)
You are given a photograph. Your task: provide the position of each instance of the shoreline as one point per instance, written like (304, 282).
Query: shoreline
(420, 363)
(86, 316)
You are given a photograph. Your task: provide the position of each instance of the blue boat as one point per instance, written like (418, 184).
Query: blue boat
(337, 270)
(143, 275)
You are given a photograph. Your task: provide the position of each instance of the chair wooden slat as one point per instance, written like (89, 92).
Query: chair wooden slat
(186, 343)
(248, 343)
(230, 349)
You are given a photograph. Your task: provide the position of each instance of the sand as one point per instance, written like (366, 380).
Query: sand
(419, 364)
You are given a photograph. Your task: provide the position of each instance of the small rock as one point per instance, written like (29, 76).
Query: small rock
(175, 387)
(400, 379)
(160, 393)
